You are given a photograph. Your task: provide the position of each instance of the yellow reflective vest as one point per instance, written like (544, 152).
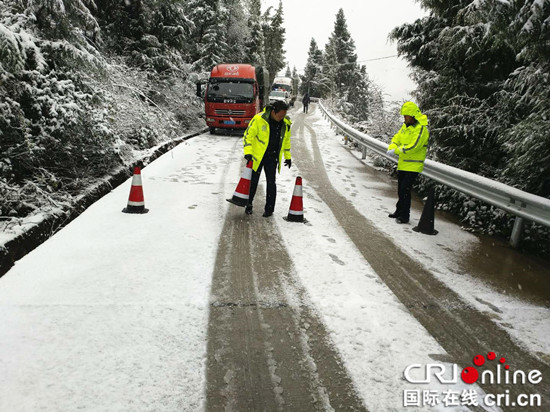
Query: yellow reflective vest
(256, 138)
(411, 144)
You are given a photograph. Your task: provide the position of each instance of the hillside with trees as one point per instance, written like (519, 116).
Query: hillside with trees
(89, 86)
(333, 74)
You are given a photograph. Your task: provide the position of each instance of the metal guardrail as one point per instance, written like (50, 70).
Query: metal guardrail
(523, 205)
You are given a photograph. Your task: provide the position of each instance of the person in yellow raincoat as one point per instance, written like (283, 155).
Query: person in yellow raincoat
(266, 141)
(410, 143)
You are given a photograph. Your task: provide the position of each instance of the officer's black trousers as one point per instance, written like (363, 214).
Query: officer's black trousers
(269, 164)
(405, 181)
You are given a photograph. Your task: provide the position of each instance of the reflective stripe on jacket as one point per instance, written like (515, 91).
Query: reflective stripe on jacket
(256, 138)
(411, 144)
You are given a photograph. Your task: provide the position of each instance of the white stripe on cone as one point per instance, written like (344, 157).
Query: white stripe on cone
(136, 180)
(295, 212)
(240, 195)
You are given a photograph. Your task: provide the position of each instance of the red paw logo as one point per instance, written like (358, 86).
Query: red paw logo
(470, 374)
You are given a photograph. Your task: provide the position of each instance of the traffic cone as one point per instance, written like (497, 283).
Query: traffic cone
(242, 192)
(296, 211)
(136, 203)
(426, 224)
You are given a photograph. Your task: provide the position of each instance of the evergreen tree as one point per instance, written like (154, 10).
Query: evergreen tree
(526, 143)
(255, 53)
(154, 34)
(359, 96)
(288, 73)
(208, 48)
(311, 76)
(327, 78)
(63, 19)
(274, 35)
(482, 70)
(343, 79)
(482, 74)
(346, 58)
(52, 130)
(237, 31)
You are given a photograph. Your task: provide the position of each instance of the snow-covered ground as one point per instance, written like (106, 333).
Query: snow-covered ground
(111, 313)
(442, 254)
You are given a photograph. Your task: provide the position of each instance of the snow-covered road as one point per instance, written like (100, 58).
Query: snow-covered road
(122, 312)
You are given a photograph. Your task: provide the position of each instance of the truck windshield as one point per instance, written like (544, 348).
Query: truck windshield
(236, 91)
(281, 86)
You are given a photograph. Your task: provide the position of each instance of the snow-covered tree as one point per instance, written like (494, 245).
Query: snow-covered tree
(255, 43)
(63, 19)
(482, 69)
(52, 126)
(329, 72)
(274, 35)
(527, 141)
(359, 96)
(482, 73)
(346, 57)
(207, 24)
(314, 65)
(236, 29)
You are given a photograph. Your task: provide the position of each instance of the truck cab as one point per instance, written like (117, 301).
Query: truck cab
(287, 84)
(234, 94)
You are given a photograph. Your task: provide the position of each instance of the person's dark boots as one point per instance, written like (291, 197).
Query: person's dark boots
(248, 209)
(393, 215)
(267, 214)
(401, 220)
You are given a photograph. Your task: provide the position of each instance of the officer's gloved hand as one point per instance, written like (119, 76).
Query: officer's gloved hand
(288, 162)
(391, 152)
(248, 157)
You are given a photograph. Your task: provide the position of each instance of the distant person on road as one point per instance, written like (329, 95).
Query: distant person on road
(305, 101)
(410, 143)
(266, 141)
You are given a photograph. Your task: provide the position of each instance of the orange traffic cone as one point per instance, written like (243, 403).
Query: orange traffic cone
(136, 203)
(242, 192)
(296, 211)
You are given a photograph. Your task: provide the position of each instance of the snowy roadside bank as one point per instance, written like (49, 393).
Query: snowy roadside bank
(111, 313)
(21, 238)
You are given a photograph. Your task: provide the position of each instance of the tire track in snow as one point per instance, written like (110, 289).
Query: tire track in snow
(458, 327)
(267, 349)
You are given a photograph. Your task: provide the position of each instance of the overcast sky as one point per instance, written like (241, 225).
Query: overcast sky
(369, 22)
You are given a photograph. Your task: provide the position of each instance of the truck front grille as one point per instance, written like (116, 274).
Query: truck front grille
(225, 112)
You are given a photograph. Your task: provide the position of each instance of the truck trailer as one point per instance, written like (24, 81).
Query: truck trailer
(234, 94)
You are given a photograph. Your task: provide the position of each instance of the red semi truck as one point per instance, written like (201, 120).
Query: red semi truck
(234, 94)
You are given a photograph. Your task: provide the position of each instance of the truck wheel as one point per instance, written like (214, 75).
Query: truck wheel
(212, 130)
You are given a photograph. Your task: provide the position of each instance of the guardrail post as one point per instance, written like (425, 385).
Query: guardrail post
(364, 152)
(516, 231)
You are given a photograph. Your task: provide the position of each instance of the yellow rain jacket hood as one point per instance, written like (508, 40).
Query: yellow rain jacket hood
(411, 109)
(411, 142)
